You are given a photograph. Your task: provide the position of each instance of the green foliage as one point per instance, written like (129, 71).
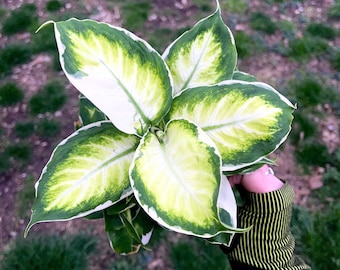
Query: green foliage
(318, 235)
(21, 153)
(4, 162)
(135, 14)
(334, 11)
(198, 254)
(22, 19)
(137, 90)
(330, 191)
(304, 127)
(141, 260)
(235, 6)
(203, 5)
(50, 99)
(10, 94)
(321, 30)
(55, 61)
(162, 37)
(244, 44)
(53, 5)
(303, 48)
(13, 54)
(47, 128)
(287, 28)
(335, 60)
(261, 22)
(25, 197)
(44, 40)
(51, 252)
(2, 13)
(24, 129)
(308, 91)
(312, 154)
(138, 262)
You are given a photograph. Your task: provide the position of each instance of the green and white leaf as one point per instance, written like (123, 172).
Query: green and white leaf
(204, 55)
(87, 172)
(251, 168)
(118, 72)
(88, 113)
(226, 204)
(243, 76)
(247, 121)
(180, 191)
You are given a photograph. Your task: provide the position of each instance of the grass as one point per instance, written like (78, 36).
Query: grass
(262, 22)
(334, 11)
(331, 184)
(25, 197)
(199, 255)
(244, 44)
(321, 30)
(51, 252)
(304, 48)
(13, 54)
(304, 128)
(317, 236)
(24, 129)
(4, 162)
(235, 6)
(187, 254)
(24, 18)
(47, 128)
(309, 91)
(20, 152)
(10, 94)
(287, 28)
(53, 5)
(44, 40)
(312, 154)
(311, 228)
(335, 60)
(162, 37)
(135, 14)
(203, 5)
(49, 99)
(138, 261)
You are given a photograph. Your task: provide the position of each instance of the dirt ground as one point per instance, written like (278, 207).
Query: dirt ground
(268, 67)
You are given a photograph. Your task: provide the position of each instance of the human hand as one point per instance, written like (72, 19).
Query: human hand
(262, 180)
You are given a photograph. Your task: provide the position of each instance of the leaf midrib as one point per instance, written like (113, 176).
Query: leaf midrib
(185, 85)
(92, 172)
(120, 83)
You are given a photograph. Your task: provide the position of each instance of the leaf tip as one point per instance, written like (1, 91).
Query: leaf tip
(43, 25)
(29, 226)
(218, 7)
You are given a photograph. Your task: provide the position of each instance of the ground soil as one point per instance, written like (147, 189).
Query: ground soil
(268, 66)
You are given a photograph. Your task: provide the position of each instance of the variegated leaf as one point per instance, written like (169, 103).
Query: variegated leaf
(87, 172)
(118, 72)
(204, 55)
(88, 113)
(247, 121)
(176, 176)
(243, 76)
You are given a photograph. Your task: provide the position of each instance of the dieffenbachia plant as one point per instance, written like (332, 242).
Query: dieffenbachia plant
(159, 134)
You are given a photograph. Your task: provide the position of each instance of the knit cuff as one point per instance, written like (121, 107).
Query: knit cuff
(270, 202)
(269, 243)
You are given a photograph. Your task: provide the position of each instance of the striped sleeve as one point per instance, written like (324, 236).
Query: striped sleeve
(269, 244)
